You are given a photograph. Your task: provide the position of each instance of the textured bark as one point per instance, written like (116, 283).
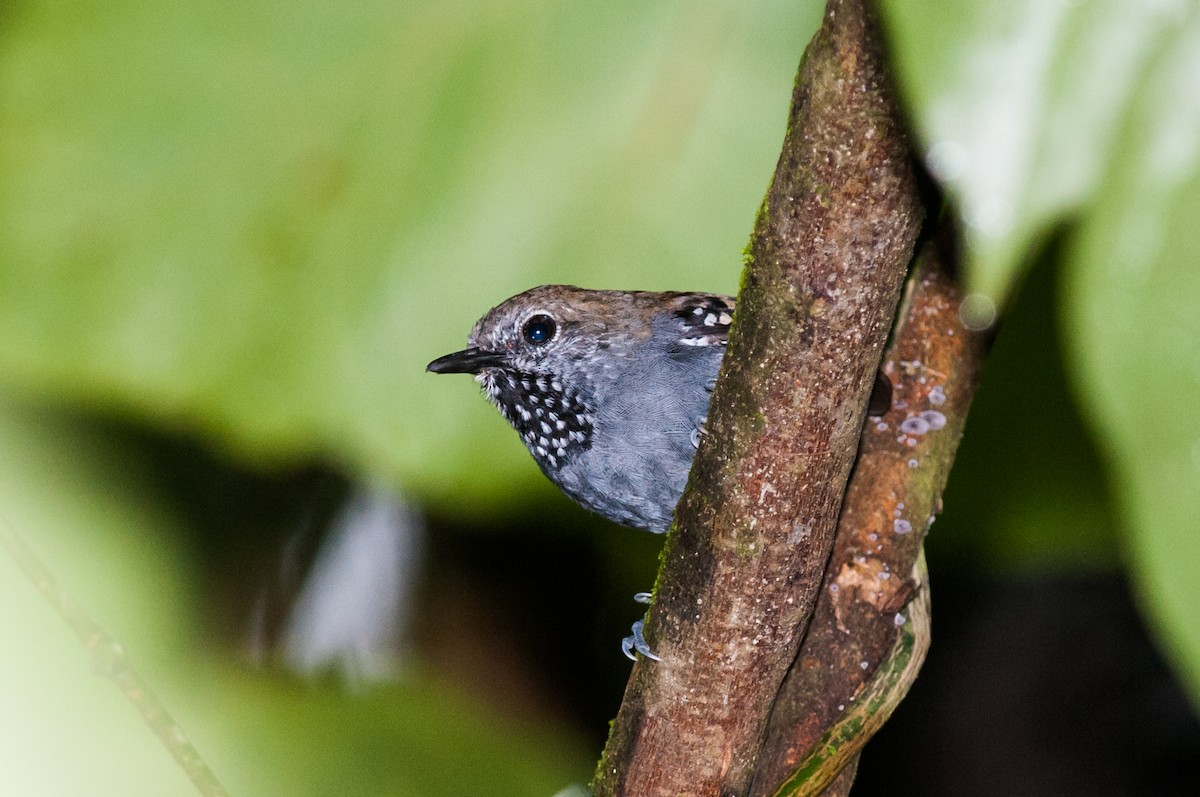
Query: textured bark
(754, 530)
(865, 605)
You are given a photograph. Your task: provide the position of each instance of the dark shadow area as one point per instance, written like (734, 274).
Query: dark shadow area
(1040, 687)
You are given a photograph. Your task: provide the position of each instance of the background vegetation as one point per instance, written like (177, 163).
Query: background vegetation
(231, 236)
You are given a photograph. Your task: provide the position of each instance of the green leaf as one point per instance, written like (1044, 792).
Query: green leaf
(1029, 491)
(1133, 304)
(1016, 104)
(261, 221)
(87, 511)
(64, 729)
(1035, 113)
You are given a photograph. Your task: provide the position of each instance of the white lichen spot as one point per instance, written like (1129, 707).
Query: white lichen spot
(937, 396)
(912, 463)
(901, 526)
(915, 424)
(934, 418)
(899, 619)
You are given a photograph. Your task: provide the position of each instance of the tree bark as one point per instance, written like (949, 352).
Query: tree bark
(869, 633)
(743, 566)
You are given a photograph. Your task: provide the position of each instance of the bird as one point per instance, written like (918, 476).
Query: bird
(608, 390)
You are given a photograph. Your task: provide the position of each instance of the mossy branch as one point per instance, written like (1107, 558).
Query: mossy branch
(869, 632)
(744, 564)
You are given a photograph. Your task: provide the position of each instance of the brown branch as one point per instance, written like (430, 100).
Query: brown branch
(743, 567)
(865, 606)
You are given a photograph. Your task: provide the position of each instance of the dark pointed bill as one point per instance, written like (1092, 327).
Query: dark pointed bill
(467, 361)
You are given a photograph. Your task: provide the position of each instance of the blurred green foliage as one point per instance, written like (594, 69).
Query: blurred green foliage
(255, 224)
(1035, 114)
(262, 221)
(1133, 311)
(91, 513)
(1017, 105)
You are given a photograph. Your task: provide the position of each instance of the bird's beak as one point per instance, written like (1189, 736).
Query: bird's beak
(467, 361)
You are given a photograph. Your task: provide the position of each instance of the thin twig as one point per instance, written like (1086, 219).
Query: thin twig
(109, 659)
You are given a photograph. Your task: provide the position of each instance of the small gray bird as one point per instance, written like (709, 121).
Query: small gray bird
(609, 390)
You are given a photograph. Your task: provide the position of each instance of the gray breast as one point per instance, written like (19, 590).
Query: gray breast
(646, 430)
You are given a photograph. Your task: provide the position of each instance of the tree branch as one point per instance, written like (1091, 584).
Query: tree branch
(743, 567)
(872, 615)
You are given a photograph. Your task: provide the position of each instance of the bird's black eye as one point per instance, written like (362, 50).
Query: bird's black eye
(539, 329)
